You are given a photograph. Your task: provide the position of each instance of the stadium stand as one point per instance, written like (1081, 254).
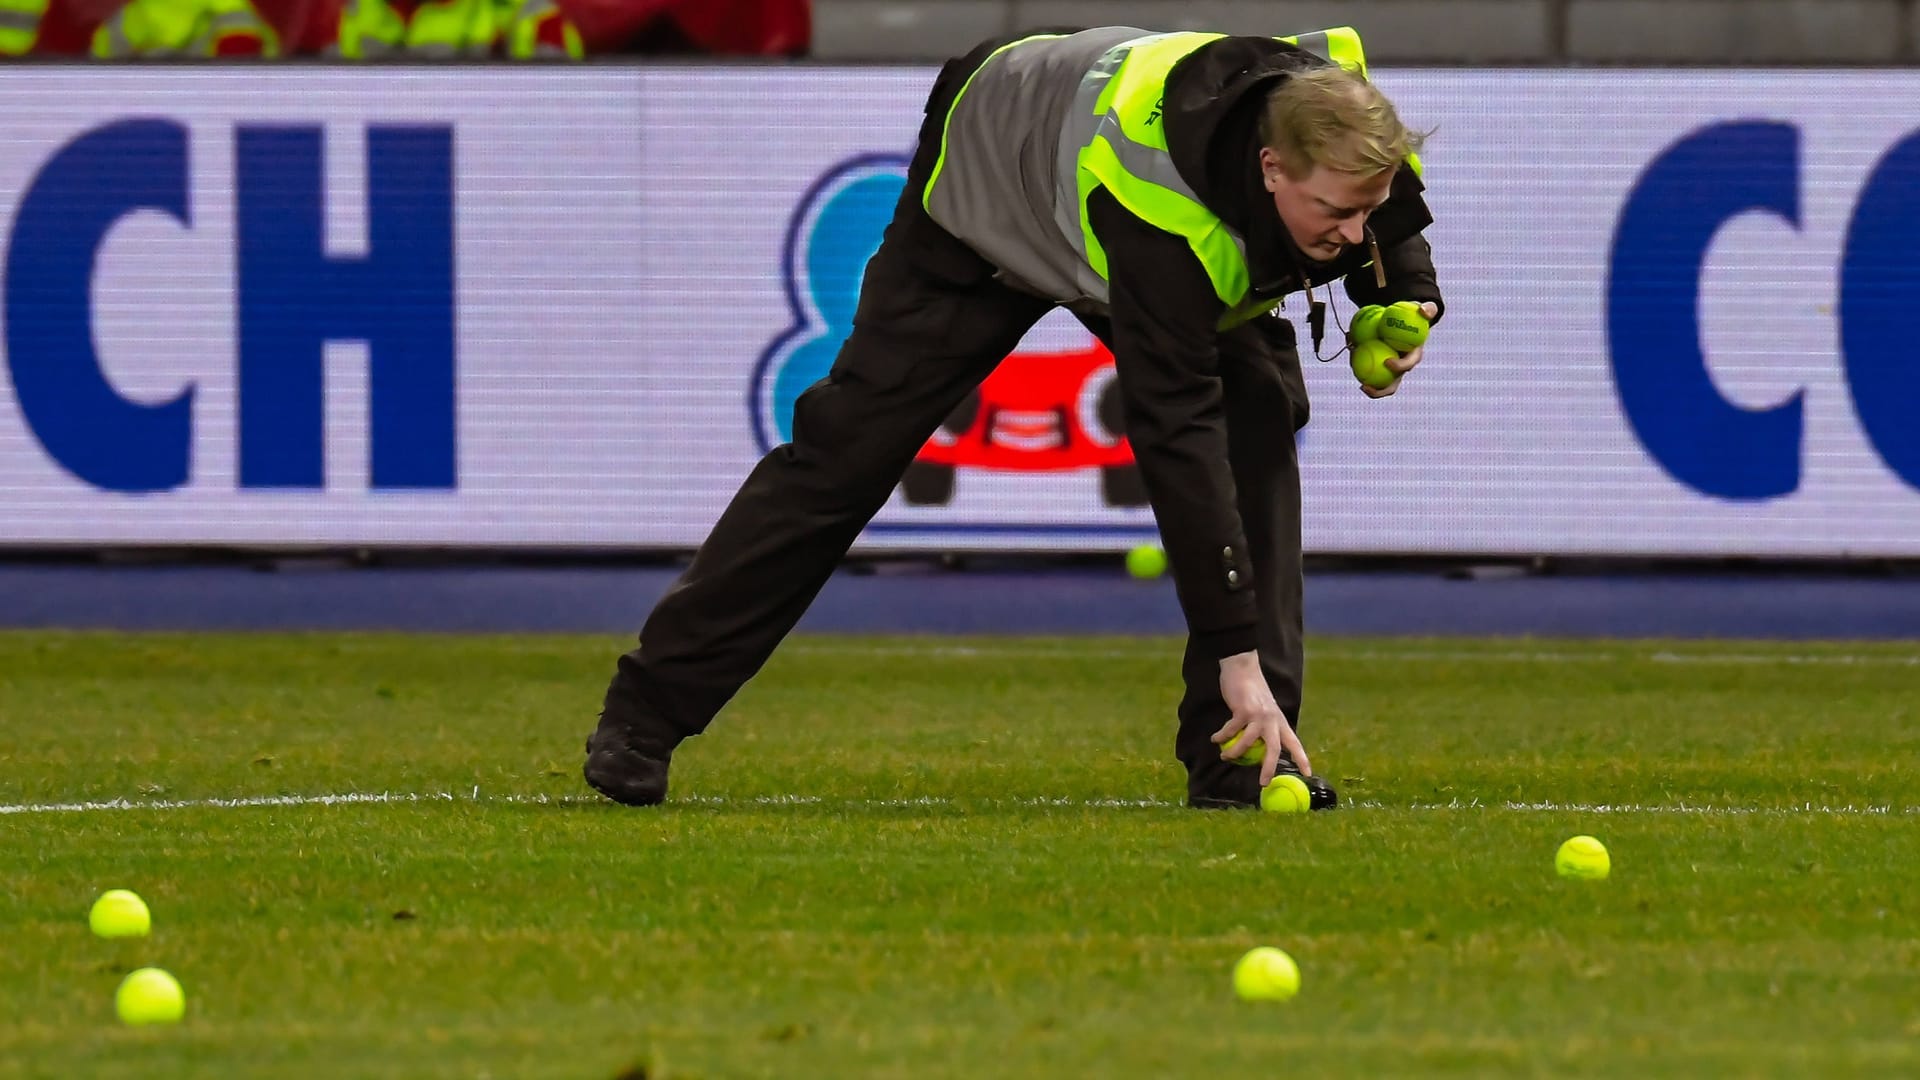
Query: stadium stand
(1797, 32)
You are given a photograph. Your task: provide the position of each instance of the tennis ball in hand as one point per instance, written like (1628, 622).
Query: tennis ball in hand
(1369, 363)
(119, 914)
(1254, 754)
(1286, 794)
(150, 996)
(1404, 327)
(1366, 324)
(1266, 974)
(1583, 858)
(1147, 561)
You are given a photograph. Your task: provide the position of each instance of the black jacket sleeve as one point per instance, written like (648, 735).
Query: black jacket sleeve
(1409, 271)
(1165, 352)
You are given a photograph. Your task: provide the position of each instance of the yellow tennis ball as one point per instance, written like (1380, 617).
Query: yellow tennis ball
(1254, 754)
(150, 996)
(119, 914)
(1147, 561)
(1286, 794)
(1366, 324)
(1266, 974)
(1404, 327)
(1584, 858)
(1369, 363)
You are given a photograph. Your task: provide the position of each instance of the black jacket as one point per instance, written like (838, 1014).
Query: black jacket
(1164, 314)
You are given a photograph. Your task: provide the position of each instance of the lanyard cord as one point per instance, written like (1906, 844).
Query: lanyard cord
(1317, 309)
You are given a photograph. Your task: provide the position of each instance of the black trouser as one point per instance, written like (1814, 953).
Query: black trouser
(1266, 404)
(931, 323)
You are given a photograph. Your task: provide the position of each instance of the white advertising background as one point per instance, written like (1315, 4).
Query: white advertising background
(618, 263)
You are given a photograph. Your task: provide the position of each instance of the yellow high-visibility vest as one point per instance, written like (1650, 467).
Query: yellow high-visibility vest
(442, 29)
(186, 28)
(20, 25)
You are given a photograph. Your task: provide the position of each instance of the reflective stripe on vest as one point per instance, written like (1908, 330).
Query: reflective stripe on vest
(370, 28)
(1114, 139)
(1341, 45)
(20, 25)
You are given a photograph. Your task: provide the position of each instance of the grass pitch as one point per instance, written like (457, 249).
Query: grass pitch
(946, 858)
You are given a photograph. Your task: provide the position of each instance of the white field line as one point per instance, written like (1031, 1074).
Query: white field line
(1607, 652)
(1456, 805)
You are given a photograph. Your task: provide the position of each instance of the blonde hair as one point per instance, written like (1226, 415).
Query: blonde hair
(1335, 119)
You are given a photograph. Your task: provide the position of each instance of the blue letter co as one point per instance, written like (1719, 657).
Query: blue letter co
(291, 298)
(1692, 189)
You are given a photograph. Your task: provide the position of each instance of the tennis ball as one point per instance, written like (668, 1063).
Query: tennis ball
(1369, 363)
(1404, 327)
(1147, 561)
(1584, 858)
(1366, 324)
(1254, 754)
(150, 996)
(118, 914)
(1266, 974)
(1286, 794)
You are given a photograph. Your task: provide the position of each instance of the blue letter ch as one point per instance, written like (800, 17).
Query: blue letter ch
(292, 298)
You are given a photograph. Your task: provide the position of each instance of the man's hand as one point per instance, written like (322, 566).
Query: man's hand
(1256, 715)
(1401, 365)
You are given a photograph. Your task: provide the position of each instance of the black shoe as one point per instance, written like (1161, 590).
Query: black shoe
(627, 762)
(1223, 785)
(1321, 794)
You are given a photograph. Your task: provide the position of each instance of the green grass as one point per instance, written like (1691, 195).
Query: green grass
(990, 879)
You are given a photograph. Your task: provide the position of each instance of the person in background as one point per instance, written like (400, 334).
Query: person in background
(266, 29)
(402, 30)
(444, 30)
(152, 30)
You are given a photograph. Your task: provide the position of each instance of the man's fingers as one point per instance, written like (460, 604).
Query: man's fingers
(1294, 749)
(1272, 761)
(1399, 365)
(1239, 743)
(1430, 309)
(1234, 725)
